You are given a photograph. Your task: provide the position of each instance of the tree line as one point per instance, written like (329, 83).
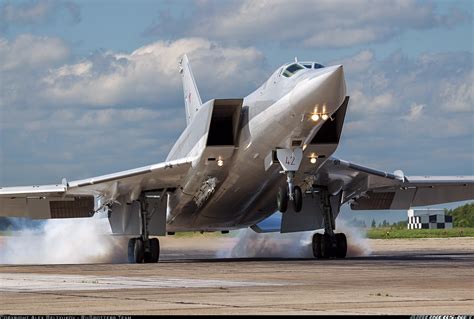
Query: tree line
(463, 216)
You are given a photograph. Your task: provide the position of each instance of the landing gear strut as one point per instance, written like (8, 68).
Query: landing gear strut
(143, 249)
(329, 244)
(290, 161)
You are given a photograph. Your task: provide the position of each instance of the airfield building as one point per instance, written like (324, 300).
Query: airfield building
(429, 219)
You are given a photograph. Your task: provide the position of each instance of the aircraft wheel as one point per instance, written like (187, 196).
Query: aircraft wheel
(316, 243)
(341, 250)
(326, 247)
(147, 257)
(131, 249)
(139, 251)
(298, 199)
(154, 250)
(282, 199)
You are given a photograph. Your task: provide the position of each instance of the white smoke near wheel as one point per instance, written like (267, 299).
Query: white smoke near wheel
(249, 244)
(63, 241)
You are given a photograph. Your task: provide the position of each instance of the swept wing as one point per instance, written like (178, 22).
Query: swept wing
(76, 198)
(370, 189)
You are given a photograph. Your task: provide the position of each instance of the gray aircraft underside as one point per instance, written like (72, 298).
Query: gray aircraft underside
(225, 169)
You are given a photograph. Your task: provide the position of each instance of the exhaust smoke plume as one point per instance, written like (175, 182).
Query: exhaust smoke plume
(64, 241)
(249, 244)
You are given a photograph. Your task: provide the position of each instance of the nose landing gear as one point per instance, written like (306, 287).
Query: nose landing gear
(290, 192)
(297, 199)
(282, 199)
(290, 161)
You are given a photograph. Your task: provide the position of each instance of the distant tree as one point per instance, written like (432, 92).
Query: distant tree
(463, 216)
(373, 225)
(399, 225)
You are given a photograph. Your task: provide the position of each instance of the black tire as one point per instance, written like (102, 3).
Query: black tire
(282, 199)
(154, 250)
(326, 247)
(297, 199)
(131, 249)
(147, 257)
(139, 251)
(317, 245)
(341, 250)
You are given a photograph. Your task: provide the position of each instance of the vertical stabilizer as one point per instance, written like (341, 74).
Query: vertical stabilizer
(192, 100)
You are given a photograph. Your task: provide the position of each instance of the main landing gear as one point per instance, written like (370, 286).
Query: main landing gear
(290, 161)
(329, 244)
(143, 249)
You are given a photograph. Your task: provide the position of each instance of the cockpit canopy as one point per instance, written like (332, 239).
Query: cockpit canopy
(312, 65)
(293, 68)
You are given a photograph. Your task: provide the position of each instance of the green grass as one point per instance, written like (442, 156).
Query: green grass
(387, 233)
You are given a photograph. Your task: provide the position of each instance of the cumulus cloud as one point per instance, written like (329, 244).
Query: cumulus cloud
(320, 24)
(459, 97)
(39, 67)
(109, 110)
(23, 61)
(109, 117)
(424, 104)
(341, 37)
(28, 51)
(372, 104)
(39, 12)
(399, 84)
(149, 73)
(359, 62)
(415, 112)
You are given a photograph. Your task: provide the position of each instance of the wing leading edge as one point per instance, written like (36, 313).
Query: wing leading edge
(371, 189)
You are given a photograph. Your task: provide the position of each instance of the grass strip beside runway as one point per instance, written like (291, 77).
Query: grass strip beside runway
(388, 233)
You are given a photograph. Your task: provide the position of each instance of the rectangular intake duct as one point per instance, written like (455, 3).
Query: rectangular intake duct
(224, 127)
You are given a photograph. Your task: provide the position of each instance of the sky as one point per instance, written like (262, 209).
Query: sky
(92, 87)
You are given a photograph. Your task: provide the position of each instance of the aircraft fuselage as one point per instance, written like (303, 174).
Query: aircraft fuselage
(279, 116)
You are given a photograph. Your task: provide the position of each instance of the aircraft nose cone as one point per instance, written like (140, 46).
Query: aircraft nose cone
(327, 89)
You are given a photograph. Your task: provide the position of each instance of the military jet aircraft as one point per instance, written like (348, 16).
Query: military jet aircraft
(239, 161)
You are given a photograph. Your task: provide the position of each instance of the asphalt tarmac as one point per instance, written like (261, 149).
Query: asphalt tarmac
(423, 276)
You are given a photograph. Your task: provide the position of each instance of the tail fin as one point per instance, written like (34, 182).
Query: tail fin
(192, 100)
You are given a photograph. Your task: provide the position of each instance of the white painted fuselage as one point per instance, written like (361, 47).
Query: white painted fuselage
(274, 116)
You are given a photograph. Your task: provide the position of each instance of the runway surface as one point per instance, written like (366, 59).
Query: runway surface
(426, 276)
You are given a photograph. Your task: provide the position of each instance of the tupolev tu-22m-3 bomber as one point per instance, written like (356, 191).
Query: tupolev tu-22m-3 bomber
(237, 162)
